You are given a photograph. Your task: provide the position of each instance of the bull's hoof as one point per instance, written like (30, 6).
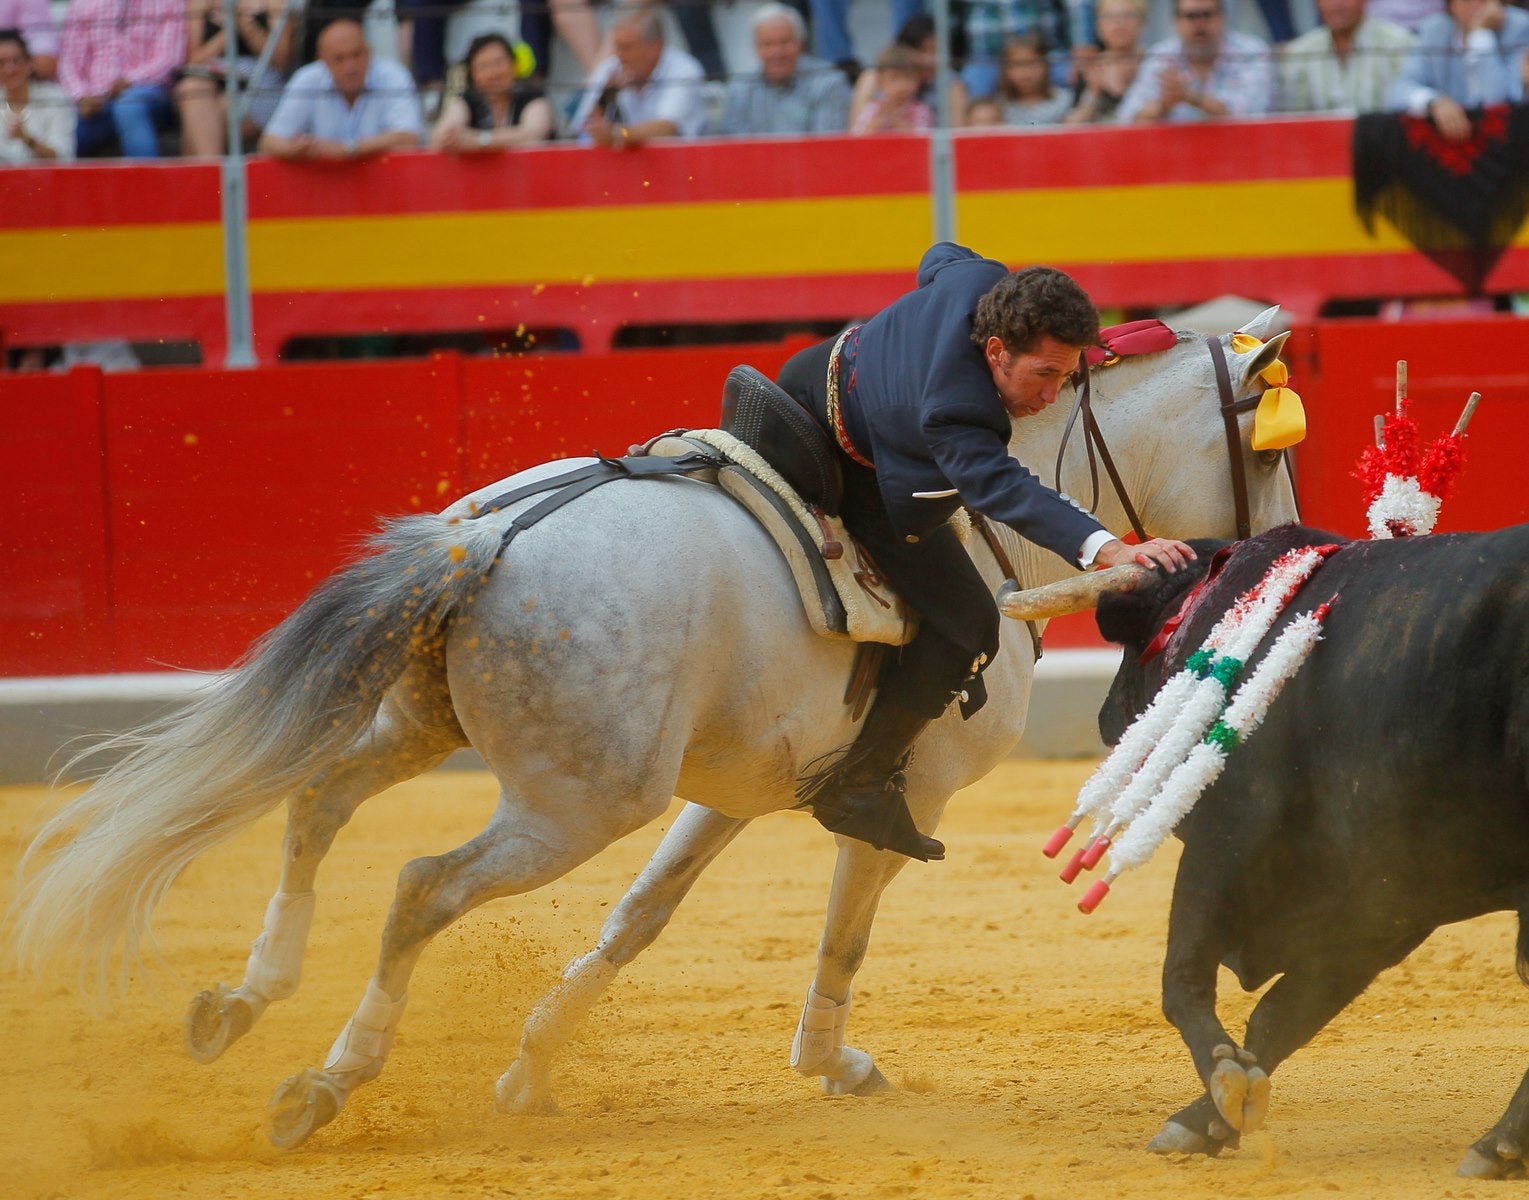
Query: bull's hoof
(1174, 1138)
(216, 1020)
(1480, 1163)
(301, 1106)
(1240, 1089)
(522, 1091)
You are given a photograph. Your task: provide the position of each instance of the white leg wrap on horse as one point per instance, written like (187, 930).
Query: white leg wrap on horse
(367, 1036)
(819, 1034)
(276, 959)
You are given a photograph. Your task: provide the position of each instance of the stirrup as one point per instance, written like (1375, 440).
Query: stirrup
(880, 817)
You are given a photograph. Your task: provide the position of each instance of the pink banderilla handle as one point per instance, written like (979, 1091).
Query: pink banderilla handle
(1058, 839)
(1097, 892)
(1095, 852)
(1074, 865)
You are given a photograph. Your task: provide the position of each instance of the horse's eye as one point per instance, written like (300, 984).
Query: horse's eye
(1270, 458)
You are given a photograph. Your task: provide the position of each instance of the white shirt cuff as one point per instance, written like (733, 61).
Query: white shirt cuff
(1418, 100)
(1091, 547)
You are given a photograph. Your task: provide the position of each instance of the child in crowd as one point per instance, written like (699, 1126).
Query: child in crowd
(984, 113)
(896, 108)
(1024, 88)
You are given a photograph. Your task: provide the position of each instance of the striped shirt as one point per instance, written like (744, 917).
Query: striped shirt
(1242, 78)
(35, 20)
(139, 41)
(1314, 79)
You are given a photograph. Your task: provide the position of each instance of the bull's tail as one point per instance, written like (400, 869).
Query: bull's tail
(298, 701)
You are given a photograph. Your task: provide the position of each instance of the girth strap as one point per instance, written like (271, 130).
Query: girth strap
(573, 484)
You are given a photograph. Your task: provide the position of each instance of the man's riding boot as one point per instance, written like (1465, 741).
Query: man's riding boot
(864, 799)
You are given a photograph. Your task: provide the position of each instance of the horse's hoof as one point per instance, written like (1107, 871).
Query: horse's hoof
(301, 1106)
(515, 1093)
(856, 1076)
(215, 1021)
(1476, 1165)
(1174, 1138)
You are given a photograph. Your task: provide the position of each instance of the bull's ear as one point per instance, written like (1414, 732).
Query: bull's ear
(1264, 324)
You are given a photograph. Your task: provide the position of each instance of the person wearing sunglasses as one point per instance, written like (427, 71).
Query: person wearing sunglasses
(1203, 71)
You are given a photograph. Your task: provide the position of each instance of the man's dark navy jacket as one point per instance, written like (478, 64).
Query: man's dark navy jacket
(925, 411)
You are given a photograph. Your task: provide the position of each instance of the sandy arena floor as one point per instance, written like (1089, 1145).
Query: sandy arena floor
(1025, 1038)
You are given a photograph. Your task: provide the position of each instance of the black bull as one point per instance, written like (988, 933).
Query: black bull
(1386, 794)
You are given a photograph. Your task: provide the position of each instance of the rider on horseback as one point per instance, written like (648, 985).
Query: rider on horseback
(919, 402)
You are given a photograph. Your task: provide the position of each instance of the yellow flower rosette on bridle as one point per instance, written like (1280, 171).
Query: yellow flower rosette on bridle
(1280, 420)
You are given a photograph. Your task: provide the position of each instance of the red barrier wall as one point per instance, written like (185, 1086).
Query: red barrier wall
(1346, 373)
(164, 518)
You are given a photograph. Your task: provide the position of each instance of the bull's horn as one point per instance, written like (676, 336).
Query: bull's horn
(1077, 594)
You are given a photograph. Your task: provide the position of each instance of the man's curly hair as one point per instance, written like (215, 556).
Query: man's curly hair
(1025, 306)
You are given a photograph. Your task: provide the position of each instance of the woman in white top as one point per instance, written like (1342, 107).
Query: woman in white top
(38, 121)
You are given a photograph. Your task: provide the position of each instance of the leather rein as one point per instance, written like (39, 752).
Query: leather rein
(1097, 451)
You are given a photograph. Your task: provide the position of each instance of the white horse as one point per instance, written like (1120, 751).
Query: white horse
(645, 641)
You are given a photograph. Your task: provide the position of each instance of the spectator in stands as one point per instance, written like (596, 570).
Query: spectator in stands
(831, 33)
(643, 90)
(989, 24)
(1279, 19)
(33, 19)
(792, 92)
(1346, 64)
(1204, 71)
(502, 106)
(38, 122)
(917, 33)
(576, 24)
(986, 113)
(201, 85)
(1409, 14)
(116, 60)
(896, 108)
(700, 30)
(1470, 56)
(422, 43)
(346, 105)
(1105, 76)
(1025, 90)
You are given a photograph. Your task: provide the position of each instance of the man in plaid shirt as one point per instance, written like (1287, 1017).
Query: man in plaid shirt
(116, 60)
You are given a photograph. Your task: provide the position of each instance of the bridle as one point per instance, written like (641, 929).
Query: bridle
(1093, 444)
(1230, 411)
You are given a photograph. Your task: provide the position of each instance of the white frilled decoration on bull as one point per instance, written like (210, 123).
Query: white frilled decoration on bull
(1403, 487)
(1179, 745)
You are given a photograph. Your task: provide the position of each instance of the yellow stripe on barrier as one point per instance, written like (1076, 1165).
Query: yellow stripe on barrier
(1167, 223)
(659, 242)
(1172, 222)
(112, 263)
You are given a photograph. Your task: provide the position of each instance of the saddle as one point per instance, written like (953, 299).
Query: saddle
(780, 466)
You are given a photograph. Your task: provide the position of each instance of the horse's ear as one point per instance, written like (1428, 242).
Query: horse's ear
(1264, 323)
(1263, 357)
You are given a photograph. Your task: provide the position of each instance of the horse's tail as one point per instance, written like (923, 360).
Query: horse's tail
(298, 701)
